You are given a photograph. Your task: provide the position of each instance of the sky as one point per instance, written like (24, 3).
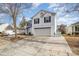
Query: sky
(62, 16)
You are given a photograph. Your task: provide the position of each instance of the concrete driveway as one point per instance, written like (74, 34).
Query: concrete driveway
(37, 46)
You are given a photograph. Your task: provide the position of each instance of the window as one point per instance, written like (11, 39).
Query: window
(47, 19)
(77, 28)
(36, 21)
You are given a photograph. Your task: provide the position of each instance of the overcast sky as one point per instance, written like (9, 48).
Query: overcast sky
(59, 9)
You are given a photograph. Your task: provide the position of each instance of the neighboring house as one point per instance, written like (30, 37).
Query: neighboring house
(4, 27)
(21, 31)
(29, 27)
(44, 23)
(73, 28)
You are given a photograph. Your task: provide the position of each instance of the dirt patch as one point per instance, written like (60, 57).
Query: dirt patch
(73, 42)
(13, 39)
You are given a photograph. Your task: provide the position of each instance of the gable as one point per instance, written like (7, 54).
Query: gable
(9, 27)
(42, 13)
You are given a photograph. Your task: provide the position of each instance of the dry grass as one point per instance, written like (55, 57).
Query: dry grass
(20, 37)
(73, 42)
(13, 39)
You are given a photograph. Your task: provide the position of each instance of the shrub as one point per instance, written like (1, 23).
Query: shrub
(30, 33)
(68, 34)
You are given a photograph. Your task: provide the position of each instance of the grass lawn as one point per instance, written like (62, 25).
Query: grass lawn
(73, 42)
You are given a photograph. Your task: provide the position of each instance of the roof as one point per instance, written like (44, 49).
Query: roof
(75, 23)
(45, 12)
(1, 23)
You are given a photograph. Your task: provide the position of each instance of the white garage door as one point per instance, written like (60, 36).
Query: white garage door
(43, 31)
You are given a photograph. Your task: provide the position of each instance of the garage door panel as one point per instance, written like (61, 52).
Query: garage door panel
(43, 31)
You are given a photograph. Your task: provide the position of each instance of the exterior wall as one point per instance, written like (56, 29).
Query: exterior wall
(41, 21)
(21, 31)
(53, 26)
(69, 30)
(25, 31)
(29, 30)
(42, 24)
(73, 29)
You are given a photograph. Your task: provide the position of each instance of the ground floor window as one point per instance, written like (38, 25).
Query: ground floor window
(76, 28)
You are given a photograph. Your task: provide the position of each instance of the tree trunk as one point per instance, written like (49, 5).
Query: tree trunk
(15, 29)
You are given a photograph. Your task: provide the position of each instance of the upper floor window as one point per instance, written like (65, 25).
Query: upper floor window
(47, 19)
(36, 21)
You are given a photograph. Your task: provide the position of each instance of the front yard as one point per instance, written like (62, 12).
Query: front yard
(73, 42)
(35, 46)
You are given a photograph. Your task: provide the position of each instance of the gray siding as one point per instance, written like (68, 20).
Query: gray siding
(42, 24)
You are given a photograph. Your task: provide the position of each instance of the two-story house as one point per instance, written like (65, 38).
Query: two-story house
(44, 23)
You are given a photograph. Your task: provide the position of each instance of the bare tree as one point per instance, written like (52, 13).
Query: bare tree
(62, 28)
(13, 10)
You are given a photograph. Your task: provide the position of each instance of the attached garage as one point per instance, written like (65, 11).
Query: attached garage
(43, 31)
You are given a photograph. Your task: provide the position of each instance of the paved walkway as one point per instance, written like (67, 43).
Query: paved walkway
(38, 46)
